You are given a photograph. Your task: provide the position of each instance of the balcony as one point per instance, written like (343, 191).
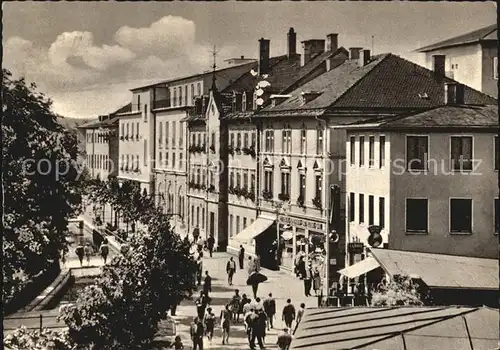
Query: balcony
(161, 104)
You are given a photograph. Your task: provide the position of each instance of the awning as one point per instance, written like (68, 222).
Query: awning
(360, 268)
(255, 229)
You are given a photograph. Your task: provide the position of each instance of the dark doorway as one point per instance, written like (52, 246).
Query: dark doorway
(265, 248)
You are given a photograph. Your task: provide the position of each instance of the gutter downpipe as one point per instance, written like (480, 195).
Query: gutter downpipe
(326, 188)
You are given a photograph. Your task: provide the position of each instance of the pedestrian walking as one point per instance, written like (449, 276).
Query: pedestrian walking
(258, 305)
(307, 279)
(284, 340)
(197, 332)
(80, 252)
(316, 281)
(244, 306)
(300, 314)
(199, 263)
(241, 256)
(288, 314)
(235, 305)
(210, 244)
(88, 252)
(177, 345)
(201, 305)
(209, 322)
(257, 263)
(254, 280)
(230, 269)
(225, 323)
(256, 330)
(104, 250)
(262, 324)
(251, 266)
(270, 310)
(207, 284)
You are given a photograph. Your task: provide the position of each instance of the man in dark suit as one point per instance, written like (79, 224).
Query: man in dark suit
(207, 284)
(241, 256)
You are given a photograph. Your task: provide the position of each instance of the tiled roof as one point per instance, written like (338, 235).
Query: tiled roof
(466, 116)
(439, 270)
(486, 33)
(124, 109)
(410, 328)
(387, 82)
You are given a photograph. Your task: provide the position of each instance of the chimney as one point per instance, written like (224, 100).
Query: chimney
(264, 52)
(292, 42)
(438, 65)
(454, 94)
(332, 42)
(242, 57)
(354, 52)
(364, 58)
(311, 48)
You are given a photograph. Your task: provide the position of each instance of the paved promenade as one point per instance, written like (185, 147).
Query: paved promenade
(281, 284)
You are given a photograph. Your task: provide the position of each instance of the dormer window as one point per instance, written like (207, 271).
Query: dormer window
(277, 99)
(308, 96)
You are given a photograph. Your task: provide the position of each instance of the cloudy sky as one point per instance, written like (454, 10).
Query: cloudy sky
(86, 55)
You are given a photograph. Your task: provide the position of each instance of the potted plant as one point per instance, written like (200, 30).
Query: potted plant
(230, 150)
(267, 195)
(283, 196)
(317, 202)
(212, 148)
(300, 202)
(211, 188)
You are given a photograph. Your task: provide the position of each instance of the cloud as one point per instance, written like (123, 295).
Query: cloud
(165, 37)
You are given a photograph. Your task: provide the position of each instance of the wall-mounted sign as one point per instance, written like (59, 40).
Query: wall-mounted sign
(356, 248)
(302, 223)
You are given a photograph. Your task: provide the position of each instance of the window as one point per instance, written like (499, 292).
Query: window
(166, 134)
(137, 130)
(231, 179)
(180, 160)
(381, 154)
(160, 134)
(138, 102)
(497, 153)
(212, 178)
(181, 134)
(173, 160)
(202, 218)
(371, 210)
(245, 180)
(497, 215)
(180, 95)
(199, 89)
(213, 140)
(286, 135)
(174, 102)
(319, 140)
(133, 134)
(352, 148)
(192, 94)
(371, 151)
(123, 160)
(381, 212)
(269, 142)
(145, 152)
(361, 151)
(461, 152)
(237, 224)
(252, 181)
(416, 152)
(417, 215)
(244, 223)
(303, 138)
(231, 225)
(254, 141)
(461, 215)
(244, 102)
(137, 163)
(198, 176)
(318, 187)
(361, 208)
(197, 208)
(174, 126)
(232, 140)
(238, 180)
(238, 140)
(302, 186)
(268, 181)
(185, 95)
(128, 130)
(192, 215)
(495, 68)
(145, 112)
(352, 208)
(285, 183)
(245, 140)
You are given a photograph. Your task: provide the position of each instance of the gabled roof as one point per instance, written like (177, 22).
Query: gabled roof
(111, 119)
(386, 82)
(440, 270)
(466, 116)
(483, 34)
(410, 328)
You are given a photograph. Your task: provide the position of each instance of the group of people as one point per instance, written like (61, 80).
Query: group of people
(311, 276)
(87, 251)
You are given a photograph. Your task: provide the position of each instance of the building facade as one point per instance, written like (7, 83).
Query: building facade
(471, 59)
(428, 180)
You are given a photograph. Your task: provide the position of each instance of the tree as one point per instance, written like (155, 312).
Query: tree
(23, 338)
(136, 290)
(401, 291)
(41, 181)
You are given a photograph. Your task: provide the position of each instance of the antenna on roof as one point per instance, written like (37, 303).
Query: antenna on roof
(373, 45)
(214, 66)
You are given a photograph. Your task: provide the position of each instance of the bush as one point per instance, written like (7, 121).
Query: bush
(401, 291)
(23, 338)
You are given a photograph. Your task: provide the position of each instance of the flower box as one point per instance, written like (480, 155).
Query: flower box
(300, 202)
(317, 202)
(267, 195)
(283, 196)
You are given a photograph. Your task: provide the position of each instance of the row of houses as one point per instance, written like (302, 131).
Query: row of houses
(321, 153)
